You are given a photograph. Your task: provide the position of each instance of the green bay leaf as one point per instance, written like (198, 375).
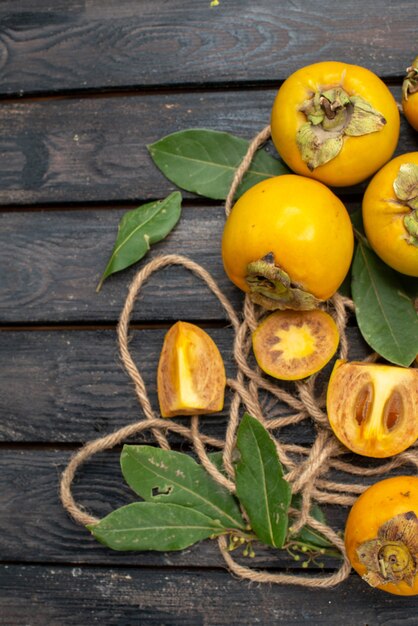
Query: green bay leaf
(217, 459)
(384, 310)
(139, 229)
(204, 161)
(261, 488)
(154, 526)
(167, 476)
(308, 535)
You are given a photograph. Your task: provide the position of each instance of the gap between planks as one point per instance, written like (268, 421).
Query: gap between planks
(160, 89)
(97, 326)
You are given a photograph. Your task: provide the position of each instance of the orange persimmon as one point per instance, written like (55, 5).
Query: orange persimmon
(381, 535)
(191, 374)
(373, 408)
(290, 345)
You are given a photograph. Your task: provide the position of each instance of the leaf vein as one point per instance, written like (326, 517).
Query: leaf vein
(188, 490)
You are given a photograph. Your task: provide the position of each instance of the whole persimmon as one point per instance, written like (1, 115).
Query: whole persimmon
(335, 122)
(288, 241)
(410, 94)
(381, 535)
(390, 213)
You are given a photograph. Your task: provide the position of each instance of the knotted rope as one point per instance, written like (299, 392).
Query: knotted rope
(307, 466)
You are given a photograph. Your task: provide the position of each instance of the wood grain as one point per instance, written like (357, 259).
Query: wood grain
(51, 262)
(70, 596)
(69, 386)
(103, 44)
(94, 149)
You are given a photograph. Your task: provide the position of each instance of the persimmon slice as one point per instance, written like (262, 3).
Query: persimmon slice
(191, 374)
(373, 408)
(290, 345)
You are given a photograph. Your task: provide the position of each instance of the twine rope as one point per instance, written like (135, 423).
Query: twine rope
(307, 465)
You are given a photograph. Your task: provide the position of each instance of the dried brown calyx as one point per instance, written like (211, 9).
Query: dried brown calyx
(405, 187)
(393, 556)
(271, 287)
(410, 83)
(331, 115)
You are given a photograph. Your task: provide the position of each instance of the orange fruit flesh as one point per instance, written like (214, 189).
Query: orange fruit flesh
(290, 345)
(373, 408)
(191, 375)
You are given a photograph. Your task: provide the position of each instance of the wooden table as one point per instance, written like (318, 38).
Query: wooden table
(85, 86)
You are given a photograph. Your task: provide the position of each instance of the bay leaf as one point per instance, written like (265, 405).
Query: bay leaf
(345, 288)
(261, 488)
(308, 535)
(384, 310)
(139, 229)
(154, 526)
(204, 161)
(217, 459)
(167, 476)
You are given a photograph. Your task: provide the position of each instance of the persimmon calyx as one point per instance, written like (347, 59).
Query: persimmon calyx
(331, 115)
(271, 287)
(405, 187)
(410, 82)
(393, 555)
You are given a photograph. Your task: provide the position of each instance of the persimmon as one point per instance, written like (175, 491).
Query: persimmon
(390, 213)
(381, 535)
(373, 408)
(335, 122)
(290, 345)
(191, 374)
(410, 94)
(288, 241)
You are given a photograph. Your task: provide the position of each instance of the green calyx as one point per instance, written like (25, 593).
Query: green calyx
(405, 187)
(271, 287)
(410, 83)
(331, 115)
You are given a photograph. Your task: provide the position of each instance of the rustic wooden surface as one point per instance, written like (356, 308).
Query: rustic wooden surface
(85, 85)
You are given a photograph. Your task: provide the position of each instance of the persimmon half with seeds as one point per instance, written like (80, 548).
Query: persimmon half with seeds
(373, 408)
(290, 345)
(381, 535)
(191, 375)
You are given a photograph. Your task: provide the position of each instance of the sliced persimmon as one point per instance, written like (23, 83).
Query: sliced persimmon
(290, 345)
(373, 408)
(191, 375)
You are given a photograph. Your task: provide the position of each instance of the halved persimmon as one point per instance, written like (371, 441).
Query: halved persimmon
(373, 408)
(191, 375)
(290, 345)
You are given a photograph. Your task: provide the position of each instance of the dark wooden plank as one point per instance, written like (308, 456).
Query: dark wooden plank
(68, 596)
(69, 386)
(73, 45)
(51, 263)
(46, 534)
(94, 149)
